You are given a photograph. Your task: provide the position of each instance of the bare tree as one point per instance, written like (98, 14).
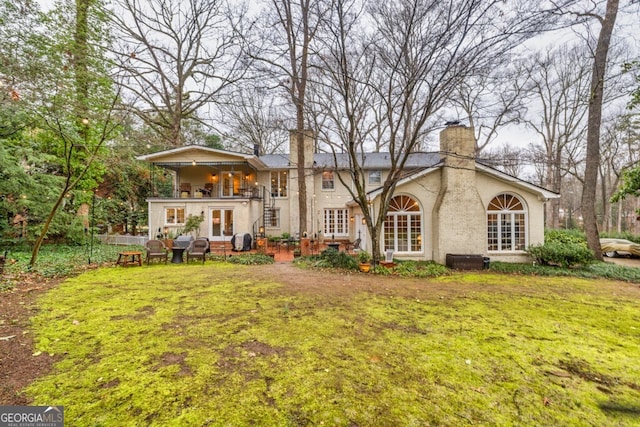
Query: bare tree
(284, 53)
(254, 119)
(558, 83)
(177, 56)
(489, 101)
(507, 158)
(414, 56)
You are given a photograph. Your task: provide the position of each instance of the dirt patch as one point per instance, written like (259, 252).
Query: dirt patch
(19, 365)
(168, 359)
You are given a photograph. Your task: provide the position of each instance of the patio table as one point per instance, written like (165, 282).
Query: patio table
(129, 257)
(177, 254)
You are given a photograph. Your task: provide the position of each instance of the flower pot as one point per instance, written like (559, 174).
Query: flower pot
(364, 267)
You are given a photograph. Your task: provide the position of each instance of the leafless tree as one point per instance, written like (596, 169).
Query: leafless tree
(284, 52)
(558, 83)
(490, 101)
(507, 158)
(408, 62)
(177, 56)
(253, 119)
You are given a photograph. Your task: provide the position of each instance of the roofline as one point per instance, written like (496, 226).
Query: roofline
(250, 158)
(542, 192)
(426, 171)
(547, 194)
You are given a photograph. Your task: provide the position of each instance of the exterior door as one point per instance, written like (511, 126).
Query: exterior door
(361, 231)
(231, 184)
(220, 224)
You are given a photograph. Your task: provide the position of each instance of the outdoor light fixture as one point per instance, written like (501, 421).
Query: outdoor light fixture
(351, 219)
(193, 163)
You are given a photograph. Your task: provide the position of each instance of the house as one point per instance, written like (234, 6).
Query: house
(448, 203)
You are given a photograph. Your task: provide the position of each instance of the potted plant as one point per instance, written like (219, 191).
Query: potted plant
(193, 224)
(364, 260)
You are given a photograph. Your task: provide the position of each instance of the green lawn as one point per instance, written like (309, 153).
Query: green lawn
(223, 345)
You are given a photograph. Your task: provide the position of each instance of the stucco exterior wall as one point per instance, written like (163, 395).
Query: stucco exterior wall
(488, 188)
(453, 200)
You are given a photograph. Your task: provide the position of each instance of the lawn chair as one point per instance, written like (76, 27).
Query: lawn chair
(198, 249)
(156, 249)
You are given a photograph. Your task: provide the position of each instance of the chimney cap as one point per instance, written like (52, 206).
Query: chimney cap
(452, 123)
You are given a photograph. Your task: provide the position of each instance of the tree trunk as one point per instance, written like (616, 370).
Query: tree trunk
(302, 184)
(593, 129)
(45, 227)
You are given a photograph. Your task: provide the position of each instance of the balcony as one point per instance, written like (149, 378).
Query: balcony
(209, 191)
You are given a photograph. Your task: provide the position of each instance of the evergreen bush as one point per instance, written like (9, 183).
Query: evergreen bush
(564, 254)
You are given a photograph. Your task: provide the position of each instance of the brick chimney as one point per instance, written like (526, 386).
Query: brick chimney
(459, 216)
(309, 145)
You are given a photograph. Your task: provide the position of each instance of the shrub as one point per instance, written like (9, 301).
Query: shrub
(565, 236)
(251, 259)
(420, 269)
(559, 253)
(330, 258)
(592, 271)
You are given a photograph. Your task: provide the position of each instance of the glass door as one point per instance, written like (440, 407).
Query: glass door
(221, 224)
(231, 183)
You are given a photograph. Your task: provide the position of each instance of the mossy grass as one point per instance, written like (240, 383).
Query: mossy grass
(216, 345)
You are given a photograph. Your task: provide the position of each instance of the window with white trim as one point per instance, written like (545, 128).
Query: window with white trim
(328, 180)
(173, 216)
(506, 224)
(279, 184)
(403, 225)
(274, 218)
(375, 177)
(336, 223)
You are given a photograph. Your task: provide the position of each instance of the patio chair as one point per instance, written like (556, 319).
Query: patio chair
(198, 249)
(208, 189)
(156, 249)
(185, 189)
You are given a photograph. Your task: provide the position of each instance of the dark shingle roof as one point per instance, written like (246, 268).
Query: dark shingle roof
(372, 161)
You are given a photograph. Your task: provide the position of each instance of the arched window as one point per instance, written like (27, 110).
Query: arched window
(506, 224)
(403, 225)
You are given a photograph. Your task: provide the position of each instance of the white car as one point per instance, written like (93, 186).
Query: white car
(619, 247)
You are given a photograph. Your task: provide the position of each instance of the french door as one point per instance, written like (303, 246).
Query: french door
(221, 224)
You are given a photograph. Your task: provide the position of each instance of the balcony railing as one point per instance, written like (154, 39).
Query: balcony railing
(251, 192)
